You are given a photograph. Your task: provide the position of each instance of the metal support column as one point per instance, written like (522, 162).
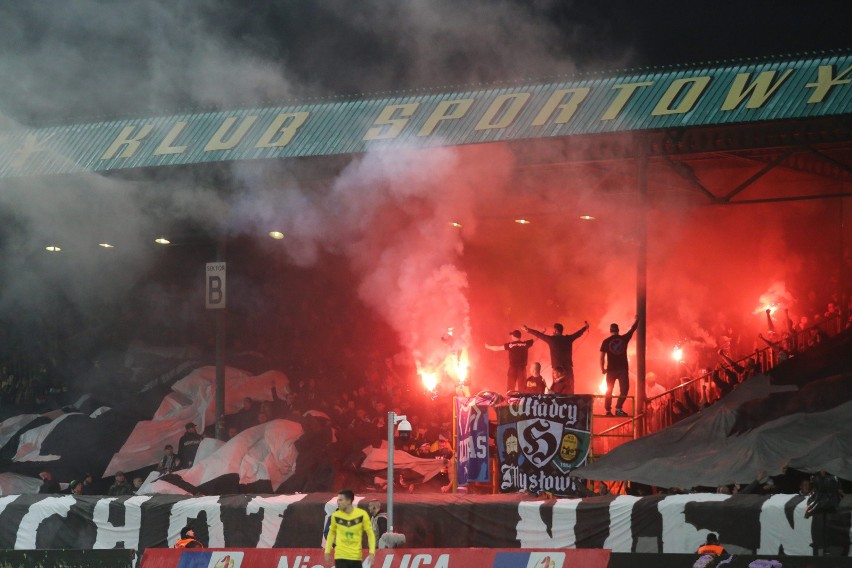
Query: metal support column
(641, 279)
(391, 426)
(220, 355)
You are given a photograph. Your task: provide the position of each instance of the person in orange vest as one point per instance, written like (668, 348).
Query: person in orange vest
(712, 546)
(187, 539)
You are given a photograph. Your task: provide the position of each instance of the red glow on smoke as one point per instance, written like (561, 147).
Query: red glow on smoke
(776, 297)
(762, 309)
(708, 268)
(429, 379)
(452, 364)
(462, 367)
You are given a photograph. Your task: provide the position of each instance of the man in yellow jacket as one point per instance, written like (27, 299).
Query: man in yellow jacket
(346, 532)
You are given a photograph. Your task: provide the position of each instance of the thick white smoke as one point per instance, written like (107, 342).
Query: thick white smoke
(81, 61)
(392, 214)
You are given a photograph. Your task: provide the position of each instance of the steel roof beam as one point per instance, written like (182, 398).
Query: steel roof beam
(763, 171)
(788, 198)
(843, 166)
(687, 173)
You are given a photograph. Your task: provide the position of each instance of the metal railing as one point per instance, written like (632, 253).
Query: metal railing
(693, 394)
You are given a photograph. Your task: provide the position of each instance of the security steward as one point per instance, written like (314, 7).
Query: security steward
(187, 539)
(712, 546)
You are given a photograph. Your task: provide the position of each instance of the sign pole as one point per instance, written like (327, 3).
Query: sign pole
(220, 356)
(391, 426)
(392, 539)
(220, 375)
(216, 300)
(641, 285)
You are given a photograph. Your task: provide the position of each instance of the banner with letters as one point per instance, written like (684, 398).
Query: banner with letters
(540, 440)
(472, 436)
(435, 558)
(746, 524)
(393, 558)
(741, 91)
(490, 558)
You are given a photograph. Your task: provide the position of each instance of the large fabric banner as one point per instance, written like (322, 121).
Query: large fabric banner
(472, 436)
(540, 440)
(745, 524)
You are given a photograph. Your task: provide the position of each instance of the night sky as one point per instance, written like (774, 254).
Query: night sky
(64, 61)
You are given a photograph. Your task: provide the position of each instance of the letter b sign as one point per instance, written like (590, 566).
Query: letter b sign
(215, 286)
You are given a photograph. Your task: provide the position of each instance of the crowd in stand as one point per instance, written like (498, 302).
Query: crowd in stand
(788, 482)
(343, 426)
(784, 337)
(349, 415)
(86, 485)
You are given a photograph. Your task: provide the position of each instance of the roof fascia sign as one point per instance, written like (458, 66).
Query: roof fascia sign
(648, 100)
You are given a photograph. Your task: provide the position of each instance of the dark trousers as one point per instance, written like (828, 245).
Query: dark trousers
(515, 378)
(340, 563)
(623, 384)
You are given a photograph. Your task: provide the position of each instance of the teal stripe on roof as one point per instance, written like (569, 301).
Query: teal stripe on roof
(340, 126)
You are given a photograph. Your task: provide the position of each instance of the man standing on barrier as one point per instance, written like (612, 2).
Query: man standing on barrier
(614, 366)
(346, 531)
(518, 356)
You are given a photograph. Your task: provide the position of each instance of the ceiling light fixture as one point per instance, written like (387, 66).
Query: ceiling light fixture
(277, 235)
(162, 241)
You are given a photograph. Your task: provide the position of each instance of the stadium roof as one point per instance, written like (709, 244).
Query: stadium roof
(747, 92)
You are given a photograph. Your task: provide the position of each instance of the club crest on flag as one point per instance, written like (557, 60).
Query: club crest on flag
(573, 449)
(540, 440)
